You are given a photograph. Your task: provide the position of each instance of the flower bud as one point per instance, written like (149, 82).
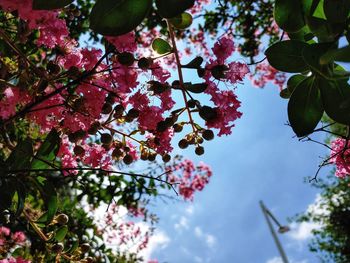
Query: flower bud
(62, 219)
(126, 58)
(85, 247)
(57, 248)
(207, 113)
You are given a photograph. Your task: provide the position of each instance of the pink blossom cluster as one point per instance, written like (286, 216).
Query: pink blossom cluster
(9, 241)
(264, 74)
(226, 102)
(189, 178)
(52, 29)
(340, 156)
(118, 230)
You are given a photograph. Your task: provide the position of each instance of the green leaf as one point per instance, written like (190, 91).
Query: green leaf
(196, 88)
(182, 21)
(319, 12)
(47, 152)
(292, 83)
(194, 63)
(7, 191)
(287, 56)
(288, 15)
(61, 233)
(312, 54)
(336, 11)
(172, 8)
(161, 46)
(49, 194)
(21, 197)
(304, 34)
(50, 4)
(305, 107)
(336, 99)
(20, 156)
(118, 17)
(340, 54)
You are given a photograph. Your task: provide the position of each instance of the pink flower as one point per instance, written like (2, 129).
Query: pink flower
(223, 49)
(124, 43)
(5, 231)
(340, 156)
(19, 237)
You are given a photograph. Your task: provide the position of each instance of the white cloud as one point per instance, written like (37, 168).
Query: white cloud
(189, 209)
(209, 239)
(279, 260)
(182, 224)
(275, 260)
(158, 241)
(303, 231)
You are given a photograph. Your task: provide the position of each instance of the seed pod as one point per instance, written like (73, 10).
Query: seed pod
(133, 113)
(79, 151)
(106, 108)
(106, 138)
(166, 158)
(208, 135)
(152, 156)
(118, 111)
(178, 127)
(145, 63)
(199, 150)
(128, 159)
(183, 144)
(144, 154)
(117, 153)
(126, 58)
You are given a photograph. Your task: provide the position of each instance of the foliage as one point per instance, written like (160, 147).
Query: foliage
(331, 213)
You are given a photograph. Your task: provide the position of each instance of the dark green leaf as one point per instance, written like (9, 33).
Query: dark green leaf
(47, 151)
(118, 17)
(20, 156)
(292, 83)
(288, 15)
(21, 197)
(194, 63)
(181, 21)
(49, 194)
(305, 107)
(7, 191)
(336, 99)
(303, 34)
(341, 54)
(61, 233)
(50, 4)
(287, 56)
(172, 8)
(312, 54)
(161, 46)
(196, 88)
(336, 11)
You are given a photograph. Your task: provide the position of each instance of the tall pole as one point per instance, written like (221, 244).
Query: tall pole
(266, 213)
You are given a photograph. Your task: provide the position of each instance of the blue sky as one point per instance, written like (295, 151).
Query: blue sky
(260, 161)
